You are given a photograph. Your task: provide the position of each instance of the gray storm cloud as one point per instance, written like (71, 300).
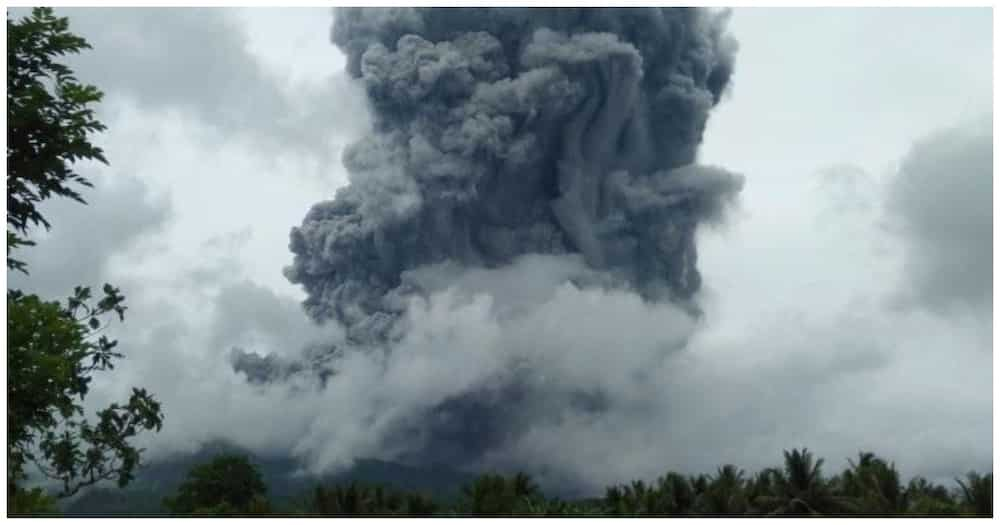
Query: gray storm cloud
(528, 172)
(941, 202)
(505, 132)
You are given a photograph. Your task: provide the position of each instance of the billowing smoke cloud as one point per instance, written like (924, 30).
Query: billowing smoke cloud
(505, 132)
(530, 172)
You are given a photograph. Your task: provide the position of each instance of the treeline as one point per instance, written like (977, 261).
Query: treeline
(870, 486)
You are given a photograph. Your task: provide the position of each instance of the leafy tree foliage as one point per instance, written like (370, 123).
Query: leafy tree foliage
(53, 349)
(228, 484)
(51, 356)
(49, 120)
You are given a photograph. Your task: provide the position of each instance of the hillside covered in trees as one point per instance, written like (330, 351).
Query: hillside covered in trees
(222, 480)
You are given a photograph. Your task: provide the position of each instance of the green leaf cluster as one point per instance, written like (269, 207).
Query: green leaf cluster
(49, 122)
(229, 484)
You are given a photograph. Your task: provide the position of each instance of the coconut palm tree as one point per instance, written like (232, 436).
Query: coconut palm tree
(347, 500)
(677, 493)
(358, 500)
(487, 495)
(555, 507)
(925, 498)
(760, 487)
(495, 494)
(699, 484)
(976, 496)
(635, 499)
(725, 493)
(800, 489)
(523, 486)
(873, 485)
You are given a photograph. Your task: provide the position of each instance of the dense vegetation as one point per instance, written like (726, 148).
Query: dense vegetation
(231, 484)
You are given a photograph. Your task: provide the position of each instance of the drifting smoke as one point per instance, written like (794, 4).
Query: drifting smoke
(531, 170)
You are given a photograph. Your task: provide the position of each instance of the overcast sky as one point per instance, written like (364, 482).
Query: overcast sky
(848, 297)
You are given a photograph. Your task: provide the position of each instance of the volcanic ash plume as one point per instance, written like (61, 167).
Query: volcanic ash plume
(505, 132)
(514, 151)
